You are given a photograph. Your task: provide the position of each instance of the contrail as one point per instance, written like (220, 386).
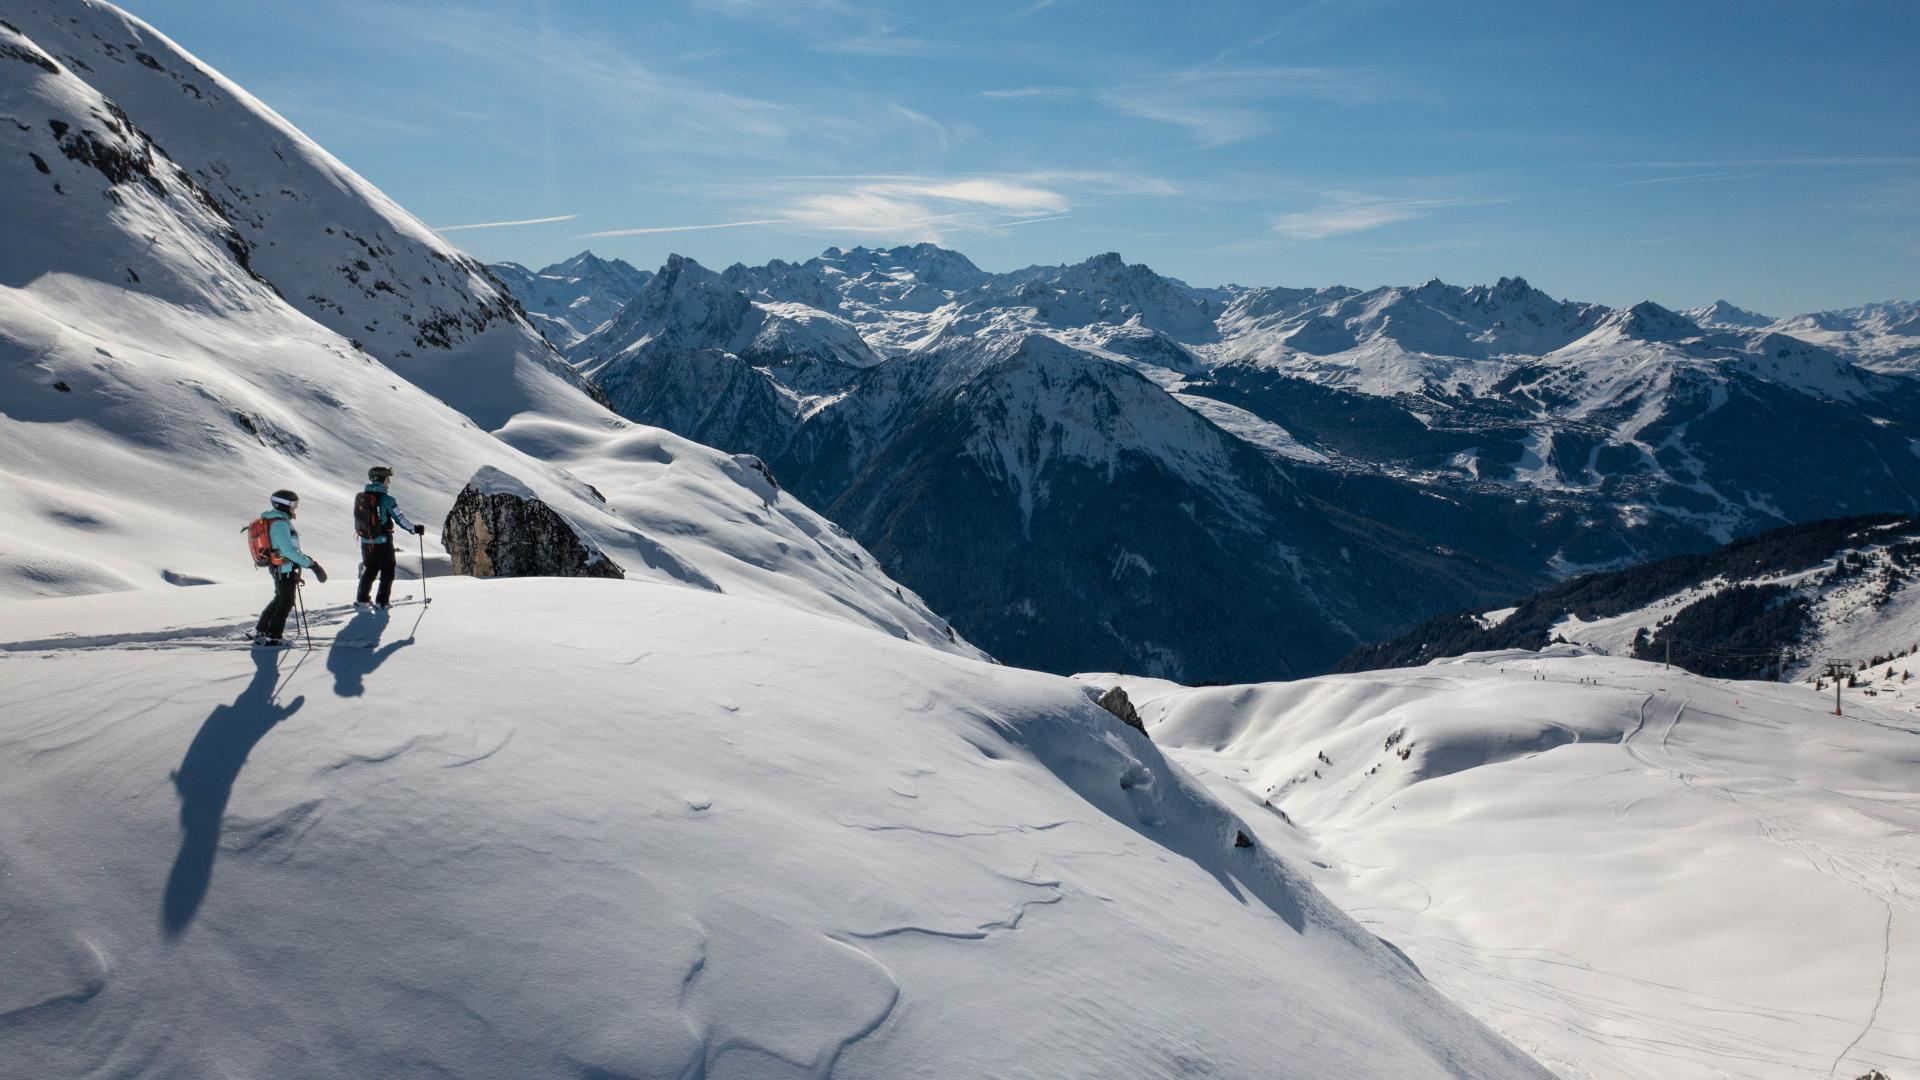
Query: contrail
(506, 224)
(649, 230)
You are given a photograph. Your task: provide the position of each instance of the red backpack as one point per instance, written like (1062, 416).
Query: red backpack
(366, 516)
(260, 543)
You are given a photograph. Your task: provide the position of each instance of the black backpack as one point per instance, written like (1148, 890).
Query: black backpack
(366, 516)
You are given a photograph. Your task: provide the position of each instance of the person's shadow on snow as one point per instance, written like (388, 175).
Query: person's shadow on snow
(205, 783)
(357, 651)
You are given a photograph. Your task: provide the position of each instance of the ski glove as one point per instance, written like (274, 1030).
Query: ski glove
(419, 530)
(320, 572)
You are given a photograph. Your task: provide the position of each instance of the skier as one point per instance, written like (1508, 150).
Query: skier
(375, 513)
(276, 546)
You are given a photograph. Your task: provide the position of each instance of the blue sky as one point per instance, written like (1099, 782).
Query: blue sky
(1765, 151)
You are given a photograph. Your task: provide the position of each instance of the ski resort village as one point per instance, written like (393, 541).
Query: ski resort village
(753, 541)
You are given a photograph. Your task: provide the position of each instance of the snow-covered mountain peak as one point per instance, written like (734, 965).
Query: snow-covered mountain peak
(1050, 400)
(572, 298)
(1108, 289)
(926, 263)
(1722, 313)
(686, 308)
(683, 305)
(1644, 321)
(334, 246)
(588, 265)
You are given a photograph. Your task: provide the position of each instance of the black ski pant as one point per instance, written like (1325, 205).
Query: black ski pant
(273, 620)
(376, 559)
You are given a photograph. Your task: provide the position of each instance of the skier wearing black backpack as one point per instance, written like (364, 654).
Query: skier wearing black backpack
(275, 545)
(375, 513)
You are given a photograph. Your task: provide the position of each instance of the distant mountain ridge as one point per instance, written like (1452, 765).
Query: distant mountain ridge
(874, 379)
(574, 297)
(1773, 605)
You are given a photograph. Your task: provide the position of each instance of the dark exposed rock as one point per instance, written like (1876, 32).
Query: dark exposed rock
(499, 528)
(1116, 702)
(1241, 839)
(28, 54)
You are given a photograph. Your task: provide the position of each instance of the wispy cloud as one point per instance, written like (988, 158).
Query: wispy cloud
(781, 12)
(1341, 212)
(831, 26)
(1304, 23)
(878, 43)
(650, 230)
(1109, 182)
(1032, 92)
(941, 136)
(921, 208)
(903, 207)
(1689, 178)
(1344, 212)
(634, 101)
(1815, 162)
(1223, 104)
(506, 224)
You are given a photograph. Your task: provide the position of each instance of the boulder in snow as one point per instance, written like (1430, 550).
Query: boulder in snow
(1116, 702)
(499, 528)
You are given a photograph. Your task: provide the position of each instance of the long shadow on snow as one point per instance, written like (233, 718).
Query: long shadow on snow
(1124, 775)
(205, 782)
(357, 651)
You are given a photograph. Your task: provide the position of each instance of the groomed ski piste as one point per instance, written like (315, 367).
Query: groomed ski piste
(583, 828)
(1630, 871)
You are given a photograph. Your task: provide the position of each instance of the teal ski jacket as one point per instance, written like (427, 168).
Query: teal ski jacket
(387, 514)
(286, 542)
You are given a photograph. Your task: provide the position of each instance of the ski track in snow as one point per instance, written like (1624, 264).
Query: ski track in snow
(1628, 1008)
(1842, 866)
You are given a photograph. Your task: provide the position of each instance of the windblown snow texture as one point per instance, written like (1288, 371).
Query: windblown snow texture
(1628, 871)
(564, 828)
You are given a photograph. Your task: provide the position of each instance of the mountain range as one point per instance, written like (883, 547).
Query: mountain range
(1347, 460)
(742, 802)
(752, 809)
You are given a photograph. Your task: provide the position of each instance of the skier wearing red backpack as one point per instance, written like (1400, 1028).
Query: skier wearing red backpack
(375, 513)
(276, 546)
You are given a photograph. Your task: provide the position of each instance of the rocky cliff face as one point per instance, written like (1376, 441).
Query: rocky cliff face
(499, 528)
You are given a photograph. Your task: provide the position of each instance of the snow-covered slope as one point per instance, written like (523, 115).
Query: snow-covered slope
(154, 390)
(1778, 604)
(334, 247)
(567, 828)
(1630, 872)
(1886, 336)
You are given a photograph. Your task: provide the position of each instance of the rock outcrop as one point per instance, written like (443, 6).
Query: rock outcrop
(499, 528)
(1116, 702)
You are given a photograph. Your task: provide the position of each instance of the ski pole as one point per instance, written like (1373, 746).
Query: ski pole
(300, 591)
(422, 537)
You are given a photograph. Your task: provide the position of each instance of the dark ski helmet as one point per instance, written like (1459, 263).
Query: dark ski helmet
(286, 500)
(380, 474)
